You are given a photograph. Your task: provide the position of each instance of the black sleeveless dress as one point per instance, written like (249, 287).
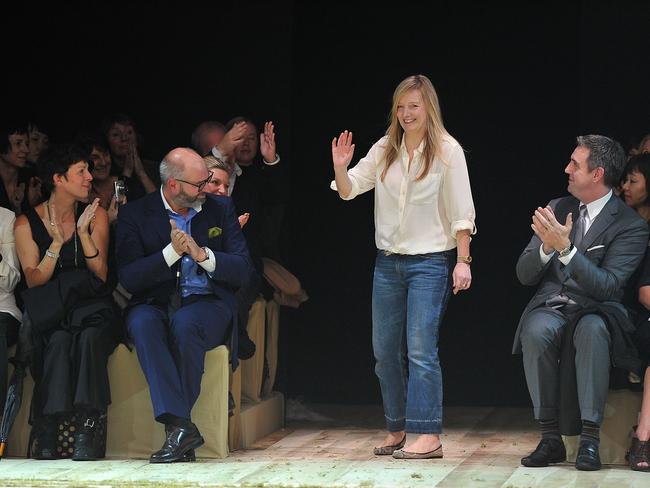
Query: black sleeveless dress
(69, 366)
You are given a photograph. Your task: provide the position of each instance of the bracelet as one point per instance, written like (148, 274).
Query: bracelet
(93, 256)
(464, 259)
(51, 254)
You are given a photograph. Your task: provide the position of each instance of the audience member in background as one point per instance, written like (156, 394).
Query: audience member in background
(635, 193)
(207, 135)
(211, 136)
(181, 254)
(259, 186)
(38, 142)
(15, 182)
(62, 246)
(643, 147)
(103, 184)
(423, 241)
(584, 250)
(10, 315)
(250, 290)
(123, 143)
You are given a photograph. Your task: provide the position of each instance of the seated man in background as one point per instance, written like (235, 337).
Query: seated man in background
(584, 249)
(182, 256)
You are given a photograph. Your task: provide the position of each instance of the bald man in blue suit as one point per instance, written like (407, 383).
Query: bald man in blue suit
(182, 255)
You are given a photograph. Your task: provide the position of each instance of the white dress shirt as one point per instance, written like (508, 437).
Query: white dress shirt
(593, 209)
(9, 267)
(416, 216)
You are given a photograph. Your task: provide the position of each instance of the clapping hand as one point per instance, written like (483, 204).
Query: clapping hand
(553, 235)
(55, 229)
(85, 219)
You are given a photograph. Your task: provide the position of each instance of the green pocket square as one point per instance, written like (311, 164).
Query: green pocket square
(214, 232)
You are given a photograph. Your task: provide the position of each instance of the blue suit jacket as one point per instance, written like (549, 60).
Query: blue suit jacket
(143, 230)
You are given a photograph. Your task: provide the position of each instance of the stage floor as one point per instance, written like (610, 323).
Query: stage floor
(331, 446)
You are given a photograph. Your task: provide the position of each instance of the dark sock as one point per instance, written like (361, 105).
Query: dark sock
(590, 432)
(550, 429)
(173, 420)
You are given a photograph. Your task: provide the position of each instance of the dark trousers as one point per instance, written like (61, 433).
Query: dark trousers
(171, 350)
(75, 371)
(8, 336)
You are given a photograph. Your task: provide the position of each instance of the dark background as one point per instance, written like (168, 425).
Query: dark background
(516, 84)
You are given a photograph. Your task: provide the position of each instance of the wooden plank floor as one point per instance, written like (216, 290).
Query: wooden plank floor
(331, 446)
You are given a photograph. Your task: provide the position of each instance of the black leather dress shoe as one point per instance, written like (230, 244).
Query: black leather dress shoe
(548, 451)
(588, 458)
(190, 456)
(180, 441)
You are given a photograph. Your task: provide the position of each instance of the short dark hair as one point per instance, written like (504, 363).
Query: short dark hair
(9, 128)
(111, 119)
(639, 163)
(57, 160)
(239, 118)
(605, 153)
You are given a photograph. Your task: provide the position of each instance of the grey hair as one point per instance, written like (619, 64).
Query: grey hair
(215, 163)
(170, 170)
(201, 129)
(604, 153)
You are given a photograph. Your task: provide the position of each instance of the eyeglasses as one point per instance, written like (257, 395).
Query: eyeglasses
(201, 184)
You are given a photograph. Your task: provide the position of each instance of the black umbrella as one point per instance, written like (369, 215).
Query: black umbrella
(15, 388)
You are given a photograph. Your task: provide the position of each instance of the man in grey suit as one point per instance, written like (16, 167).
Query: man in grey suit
(584, 249)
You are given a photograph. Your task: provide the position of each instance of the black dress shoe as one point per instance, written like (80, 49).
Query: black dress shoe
(179, 442)
(190, 456)
(548, 451)
(588, 458)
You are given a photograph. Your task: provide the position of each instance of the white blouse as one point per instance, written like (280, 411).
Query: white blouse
(416, 217)
(9, 267)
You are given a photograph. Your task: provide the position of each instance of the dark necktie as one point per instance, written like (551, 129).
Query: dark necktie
(580, 225)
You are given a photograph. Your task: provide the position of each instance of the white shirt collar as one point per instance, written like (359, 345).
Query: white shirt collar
(594, 208)
(197, 205)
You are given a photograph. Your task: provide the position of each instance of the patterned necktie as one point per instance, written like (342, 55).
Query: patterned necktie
(580, 225)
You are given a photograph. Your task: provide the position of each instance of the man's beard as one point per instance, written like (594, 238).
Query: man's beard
(184, 200)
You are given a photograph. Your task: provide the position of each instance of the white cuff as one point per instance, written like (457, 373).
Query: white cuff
(170, 255)
(209, 264)
(543, 256)
(275, 161)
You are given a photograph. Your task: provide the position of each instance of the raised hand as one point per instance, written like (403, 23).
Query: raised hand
(342, 150)
(87, 217)
(267, 143)
(232, 139)
(114, 208)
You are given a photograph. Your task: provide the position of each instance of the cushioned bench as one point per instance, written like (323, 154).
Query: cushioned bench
(132, 430)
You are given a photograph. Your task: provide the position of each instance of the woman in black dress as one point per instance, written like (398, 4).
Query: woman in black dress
(62, 247)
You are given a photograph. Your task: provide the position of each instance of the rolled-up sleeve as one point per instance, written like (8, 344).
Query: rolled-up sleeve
(364, 175)
(457, 194)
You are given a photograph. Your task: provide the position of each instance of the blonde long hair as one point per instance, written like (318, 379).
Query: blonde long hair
(435, 130)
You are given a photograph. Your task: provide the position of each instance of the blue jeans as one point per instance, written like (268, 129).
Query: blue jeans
(409, 297)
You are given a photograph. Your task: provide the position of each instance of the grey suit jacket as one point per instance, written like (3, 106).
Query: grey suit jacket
(609, 253)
